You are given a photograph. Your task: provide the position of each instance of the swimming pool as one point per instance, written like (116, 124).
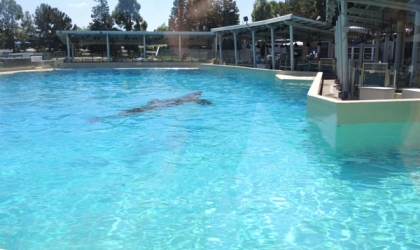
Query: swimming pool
(248, 172)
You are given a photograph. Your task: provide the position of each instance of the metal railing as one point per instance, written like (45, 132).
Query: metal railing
(376, 75)
(164, 55)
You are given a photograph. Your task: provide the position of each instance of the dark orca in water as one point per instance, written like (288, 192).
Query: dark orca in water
(158, 104)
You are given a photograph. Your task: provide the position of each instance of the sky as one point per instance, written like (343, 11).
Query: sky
(155, 12)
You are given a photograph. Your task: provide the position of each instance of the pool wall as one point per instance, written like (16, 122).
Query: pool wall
(369, 122)
(257, 71)
(24, 64)
(60, 64)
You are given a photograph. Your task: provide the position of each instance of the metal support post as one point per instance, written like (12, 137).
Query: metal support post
(108, 52)
(68, 47)
(344, 48)
(144, 47)
(273, 59)
(253, 48)
(235, 48)
(220, 48)
(292, 49)
(179, 48)
(414, 55)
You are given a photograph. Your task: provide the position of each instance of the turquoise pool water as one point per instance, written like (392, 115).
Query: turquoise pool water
(248, 172)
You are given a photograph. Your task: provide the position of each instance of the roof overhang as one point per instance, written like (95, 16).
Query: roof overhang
(302, 28)
(380, 16)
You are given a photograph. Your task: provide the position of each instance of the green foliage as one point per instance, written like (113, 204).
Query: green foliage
(26, 31)
(101, 18)
(75, 27)
(178, 20)
(10, 12)
(305, 8)
(162, 27)
(127, 15)
(262, 10)
(140, 24)
(198, 11)
(47, 21)
(228, 12)
(27, 25)
(202, 15)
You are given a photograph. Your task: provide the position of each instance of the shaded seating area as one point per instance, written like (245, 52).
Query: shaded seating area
(122, 46)
(379, 33)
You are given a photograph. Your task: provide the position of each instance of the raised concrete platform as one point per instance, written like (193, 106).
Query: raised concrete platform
(410, 93)
(376, 93)
(329, 90)
(291, 77)
(375, 123)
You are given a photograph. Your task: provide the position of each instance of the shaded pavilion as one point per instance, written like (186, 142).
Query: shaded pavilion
(289, 27)
(349, 26)
(177, 39)
(383, 23)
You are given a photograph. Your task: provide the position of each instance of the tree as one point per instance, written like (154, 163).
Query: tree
(305, 8)
(140, 24)
(203, 15)
(281, 8)
(75, 27)
(10, 12)
(178, 19)
(197, 12)
(126, 13)
(223, 13)
(229, 12)
(101, 18)
(27, 32)
(47, 21)
(213, 18)
(262, 10)
(162, 27)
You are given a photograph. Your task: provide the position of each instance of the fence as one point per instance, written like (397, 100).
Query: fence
(26, 63)
(163, 55)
